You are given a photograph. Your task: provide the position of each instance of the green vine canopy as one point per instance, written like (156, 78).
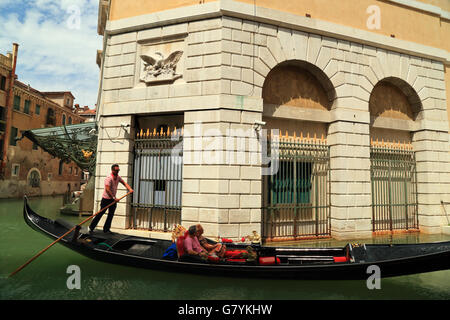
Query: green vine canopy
(77, 143)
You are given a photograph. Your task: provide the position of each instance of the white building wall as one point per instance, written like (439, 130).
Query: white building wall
(224, 64)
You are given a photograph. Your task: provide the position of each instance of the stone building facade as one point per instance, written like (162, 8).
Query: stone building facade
(245, 68)
(6, 64)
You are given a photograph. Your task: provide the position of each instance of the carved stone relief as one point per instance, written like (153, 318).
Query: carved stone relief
(161, 63)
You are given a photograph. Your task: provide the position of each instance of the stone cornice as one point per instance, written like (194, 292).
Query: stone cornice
(103, 11)
(270, 16)
(425, 7)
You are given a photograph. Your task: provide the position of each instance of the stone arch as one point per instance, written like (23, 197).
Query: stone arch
(394, 98)
(297, 82)
(297, 98)
(278, 45)
(402, 70)
(34, 178)
(395, 110)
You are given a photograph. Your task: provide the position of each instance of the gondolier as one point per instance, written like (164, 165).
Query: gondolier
(108, 197)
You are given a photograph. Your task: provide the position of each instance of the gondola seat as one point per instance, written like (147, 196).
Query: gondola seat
(234, 254)
(269, 261)
(340, 259)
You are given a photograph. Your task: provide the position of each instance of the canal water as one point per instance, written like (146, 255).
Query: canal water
(46, 277)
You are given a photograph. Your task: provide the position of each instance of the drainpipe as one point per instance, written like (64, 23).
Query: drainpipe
(9, 109)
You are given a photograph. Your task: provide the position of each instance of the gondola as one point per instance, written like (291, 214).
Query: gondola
(349, 262)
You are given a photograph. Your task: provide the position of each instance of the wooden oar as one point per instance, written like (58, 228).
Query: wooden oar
(65, 234)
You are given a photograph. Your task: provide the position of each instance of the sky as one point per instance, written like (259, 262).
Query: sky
(58, 44)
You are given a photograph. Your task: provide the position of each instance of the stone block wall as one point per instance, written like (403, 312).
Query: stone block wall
(115, 146)
(222, 172)
(433, 176)
(351, 211)
(225, 62)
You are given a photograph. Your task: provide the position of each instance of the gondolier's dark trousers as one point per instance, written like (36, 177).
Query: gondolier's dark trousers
(111, 210)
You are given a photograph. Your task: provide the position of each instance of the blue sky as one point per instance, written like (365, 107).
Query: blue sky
(58, 43)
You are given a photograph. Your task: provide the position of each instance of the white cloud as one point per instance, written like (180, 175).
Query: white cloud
(56, 53)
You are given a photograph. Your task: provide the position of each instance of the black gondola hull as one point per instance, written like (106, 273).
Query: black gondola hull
(396, 260)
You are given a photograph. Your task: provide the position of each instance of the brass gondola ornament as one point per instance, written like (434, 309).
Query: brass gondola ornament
(255, 238)
(177, 232)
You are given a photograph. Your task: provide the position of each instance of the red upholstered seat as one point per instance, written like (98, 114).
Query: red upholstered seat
(267, 261)
(234, 254)
(180, 244)
(236, 260)
(340, 259)
(213, 259)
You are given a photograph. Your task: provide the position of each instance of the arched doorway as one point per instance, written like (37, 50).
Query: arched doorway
(394, 107)
(297, 101)
(34, 178)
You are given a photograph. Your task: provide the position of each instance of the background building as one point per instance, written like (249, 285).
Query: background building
(87, 114)
(27, 169)
(7, 65)
(357, 90)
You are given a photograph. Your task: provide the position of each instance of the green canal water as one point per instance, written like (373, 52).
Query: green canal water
(46, 277)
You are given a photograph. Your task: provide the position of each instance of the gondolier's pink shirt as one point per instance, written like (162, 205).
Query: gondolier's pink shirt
(112, 183)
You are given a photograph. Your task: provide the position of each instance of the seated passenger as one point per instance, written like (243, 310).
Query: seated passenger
(212, 249)
(192, 248)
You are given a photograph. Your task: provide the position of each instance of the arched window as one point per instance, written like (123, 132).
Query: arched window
(298, 98)
(394, 108)
(63, 119)
(297, 85)
(34, 179)
(51, 116)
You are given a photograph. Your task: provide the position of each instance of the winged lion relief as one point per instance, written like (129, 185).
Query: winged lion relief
(160, 69)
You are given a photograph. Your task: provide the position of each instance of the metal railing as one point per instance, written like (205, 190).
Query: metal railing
(394, 187)
(296, 199)
(157, 181)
